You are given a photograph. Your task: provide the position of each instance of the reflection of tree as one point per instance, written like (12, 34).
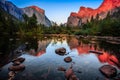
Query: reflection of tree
(58, 39)
(42, 44)
(7, 46)
(73, 42)
(9, 43)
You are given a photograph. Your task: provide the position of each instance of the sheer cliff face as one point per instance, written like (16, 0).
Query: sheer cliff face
(85, 14)
(40, 14)
(11, 9)
(29, 11)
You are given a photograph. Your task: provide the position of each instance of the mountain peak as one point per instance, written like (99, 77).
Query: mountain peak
(38, 9)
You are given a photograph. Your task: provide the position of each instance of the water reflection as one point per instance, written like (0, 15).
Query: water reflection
(42, 61)
(108, 55)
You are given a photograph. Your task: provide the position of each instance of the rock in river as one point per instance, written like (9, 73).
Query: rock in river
(108, 70)
(20, 59)
(60, 51)
(61, 69)
(16, 63)
(68, 59)
(17, 67)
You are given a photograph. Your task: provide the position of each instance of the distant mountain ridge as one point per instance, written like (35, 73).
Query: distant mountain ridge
(85, 14)
(18, 13)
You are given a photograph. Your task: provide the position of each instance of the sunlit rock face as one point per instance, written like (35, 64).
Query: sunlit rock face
(40, 14)
(84, 14)
(38, 9)
(11, 9)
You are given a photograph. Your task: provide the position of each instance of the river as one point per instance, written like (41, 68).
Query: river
(42, 63)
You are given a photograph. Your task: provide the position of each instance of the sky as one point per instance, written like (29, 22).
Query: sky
(58, 10)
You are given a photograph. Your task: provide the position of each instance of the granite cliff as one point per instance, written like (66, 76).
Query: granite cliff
(85, 14)
(18, 13)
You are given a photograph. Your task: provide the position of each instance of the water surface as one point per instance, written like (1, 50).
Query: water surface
(42, 62)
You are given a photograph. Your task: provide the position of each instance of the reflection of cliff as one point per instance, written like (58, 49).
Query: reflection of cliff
(113, 48)
(108, 55)
(84, 48)
(103, 58)
(73, 42)
(42, 47)
(108, 58)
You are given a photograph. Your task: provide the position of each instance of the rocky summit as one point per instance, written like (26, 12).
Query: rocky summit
(18, 13)
(85, 14)
(40, 14)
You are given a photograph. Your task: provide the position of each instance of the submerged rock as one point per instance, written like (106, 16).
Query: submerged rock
(16, 63)
(69, 73)
(108, 70)
(11, 74)
(16, 68)
(60, 51)
(61, 69)
(68, 59)
(73, 77)
(20, 59)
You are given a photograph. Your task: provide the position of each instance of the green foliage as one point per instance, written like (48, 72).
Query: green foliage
(8, 24)
(110, 26)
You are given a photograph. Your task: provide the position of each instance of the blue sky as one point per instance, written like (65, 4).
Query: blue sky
(58, 10)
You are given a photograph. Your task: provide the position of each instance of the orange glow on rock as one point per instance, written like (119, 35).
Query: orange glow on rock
(38, 9)
(107, 5)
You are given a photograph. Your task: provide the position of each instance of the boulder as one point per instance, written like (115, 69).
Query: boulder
(60, 51)
(68, 59)
(20, 59)
(108, 70)
(16, 68)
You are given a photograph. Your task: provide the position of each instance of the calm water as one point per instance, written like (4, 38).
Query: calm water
(42, 62)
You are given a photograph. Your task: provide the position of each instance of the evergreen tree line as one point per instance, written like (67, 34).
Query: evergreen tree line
(10, 25)
(110, 26)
